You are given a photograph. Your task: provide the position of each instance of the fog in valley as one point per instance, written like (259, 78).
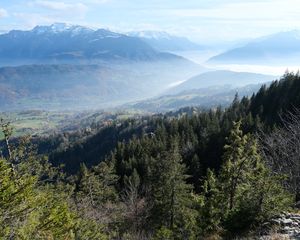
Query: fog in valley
(72, 67)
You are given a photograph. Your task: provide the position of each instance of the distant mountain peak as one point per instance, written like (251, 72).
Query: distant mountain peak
(61, 27)
(148, 34)
(58, 27)
(163, 41)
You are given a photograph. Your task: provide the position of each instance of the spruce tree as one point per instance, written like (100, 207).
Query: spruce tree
(210, 211)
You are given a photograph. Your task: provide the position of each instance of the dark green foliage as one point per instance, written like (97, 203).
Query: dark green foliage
(170, 194)
(93, 149)
(210, 210)
(280, 98)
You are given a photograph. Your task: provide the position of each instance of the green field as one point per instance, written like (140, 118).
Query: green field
(38, 122)
(35, 122)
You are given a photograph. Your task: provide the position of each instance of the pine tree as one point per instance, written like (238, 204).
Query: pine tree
(7, 131)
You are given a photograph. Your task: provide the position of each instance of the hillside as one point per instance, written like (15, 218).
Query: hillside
(59, 86)
(209, 97)
(220, 78)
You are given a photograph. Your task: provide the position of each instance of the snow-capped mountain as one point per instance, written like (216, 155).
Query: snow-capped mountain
(163, 41)
(61, 27)
(72, 42)
(269, 49)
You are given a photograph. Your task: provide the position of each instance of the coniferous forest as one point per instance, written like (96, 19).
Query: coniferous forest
(217, 173)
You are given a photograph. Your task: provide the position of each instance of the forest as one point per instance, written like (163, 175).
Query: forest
(192, 174)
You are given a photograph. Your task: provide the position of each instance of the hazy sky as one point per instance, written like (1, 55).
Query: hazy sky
(200, 20)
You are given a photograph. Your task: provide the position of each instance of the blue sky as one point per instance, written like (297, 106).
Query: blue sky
(200, 20)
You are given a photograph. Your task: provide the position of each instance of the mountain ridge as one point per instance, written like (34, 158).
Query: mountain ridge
(63, 42)
(221, 78)
(163, 41)
(268, 49)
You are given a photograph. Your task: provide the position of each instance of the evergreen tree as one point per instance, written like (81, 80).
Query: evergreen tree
(171, 195)
(210, 206)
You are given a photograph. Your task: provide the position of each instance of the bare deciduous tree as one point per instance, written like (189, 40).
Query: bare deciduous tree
(136, 209)
(281, 149)
(7, 132)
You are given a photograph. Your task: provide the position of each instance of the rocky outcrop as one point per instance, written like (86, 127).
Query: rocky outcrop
(284, 226)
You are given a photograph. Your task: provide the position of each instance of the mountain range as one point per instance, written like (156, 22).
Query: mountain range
(65, 66)
(163, 41)
(272, 49)
(63, 42)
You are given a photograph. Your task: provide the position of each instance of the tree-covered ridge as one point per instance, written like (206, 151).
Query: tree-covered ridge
(280, 97)
(208, 127)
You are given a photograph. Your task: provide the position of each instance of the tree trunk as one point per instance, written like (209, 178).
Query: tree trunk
(8, 147)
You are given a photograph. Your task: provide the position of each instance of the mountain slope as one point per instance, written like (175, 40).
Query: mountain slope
(221, 78)
(162, 41)
(68, 42)
(269, 49)
(56, 86)
(209, 97)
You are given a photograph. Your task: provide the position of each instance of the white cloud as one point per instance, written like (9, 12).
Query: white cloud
(3, 13)
(242, 11)
(203, 21)
(50, 12)
(76, 9)
(98, 1)
(231, 20)
(30, 20)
